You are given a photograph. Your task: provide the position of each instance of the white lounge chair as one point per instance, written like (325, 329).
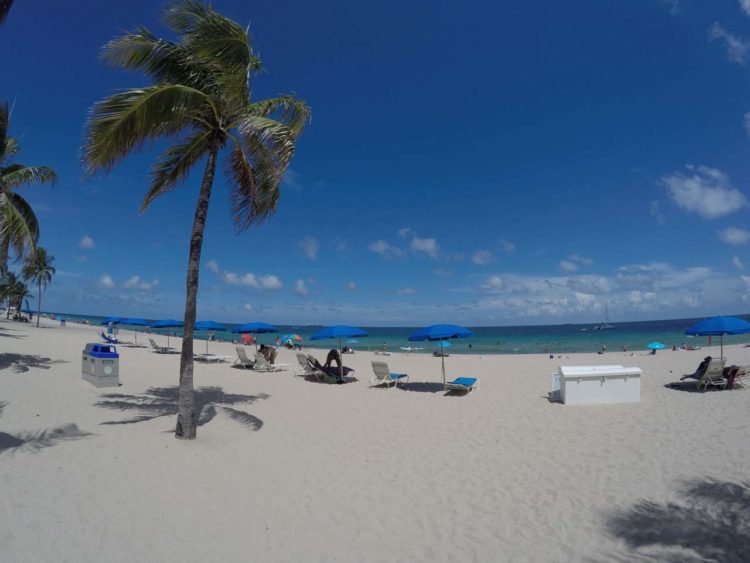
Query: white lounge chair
(242, 360)
(714, 374)
(161, 349)
(261, 364)
(305, 368)
(382, 374)
(210, 358)
(462, 384)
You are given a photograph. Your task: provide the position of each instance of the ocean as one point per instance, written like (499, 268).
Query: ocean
(552, 339)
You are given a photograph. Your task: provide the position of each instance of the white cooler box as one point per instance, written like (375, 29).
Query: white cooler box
(586, 385)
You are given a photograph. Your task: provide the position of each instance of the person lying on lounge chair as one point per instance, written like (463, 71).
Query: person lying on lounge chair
(702, 367)
(328, 368)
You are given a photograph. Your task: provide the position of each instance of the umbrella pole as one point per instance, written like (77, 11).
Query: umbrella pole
(721, 339)
(442, 359)
(341, 358)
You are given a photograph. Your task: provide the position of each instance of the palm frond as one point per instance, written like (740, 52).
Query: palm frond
(9, 148)
(18, 174)
(18, 224)
(164, 61)
(4, 123)
(213, 37)
(38, 267)
(124, 122)
(254, 177)
(286, 109)
(4, 9)
(175, 164)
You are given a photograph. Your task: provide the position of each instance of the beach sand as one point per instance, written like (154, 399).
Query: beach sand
(289, 470)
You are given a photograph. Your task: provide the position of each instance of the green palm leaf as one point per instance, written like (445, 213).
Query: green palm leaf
(17, 174)
(18, 224)
(124, 122)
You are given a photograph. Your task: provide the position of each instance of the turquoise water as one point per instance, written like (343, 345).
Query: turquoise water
(553, 339)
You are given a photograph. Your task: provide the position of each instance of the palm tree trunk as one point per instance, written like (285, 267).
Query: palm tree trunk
(186, 423)
(39, 308)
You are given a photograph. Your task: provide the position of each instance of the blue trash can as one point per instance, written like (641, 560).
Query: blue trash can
(100, 365)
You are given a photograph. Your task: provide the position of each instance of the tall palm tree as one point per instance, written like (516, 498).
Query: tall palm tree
(39, 269)
(19, 227)
(14, 290)
(201, 101)
(4, 9)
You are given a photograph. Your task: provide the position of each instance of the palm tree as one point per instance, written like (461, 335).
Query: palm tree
(14, 290)
(19, 227)
(4, 9)
(201, 98)
(39, 269)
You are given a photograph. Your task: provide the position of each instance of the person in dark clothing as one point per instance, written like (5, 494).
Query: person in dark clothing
(333, 356)
(268, 352)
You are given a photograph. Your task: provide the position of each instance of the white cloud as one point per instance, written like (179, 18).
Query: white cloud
(405, 233)
(705, 191)
(737, 263)
(106, 281)
(299, 287)
(86, 243)
(135, 282)
(351, 286)
(737, 49)
(385, 250)
(310, 247)
(247, 307)
(482, 257)
(568, 266)
(734, 236)
(407, 291)
(655, 212)
(581, 260)
(506, 246)
(269, 282)
(745, 5)
(493, 283)
(428, 246)
(213, 266)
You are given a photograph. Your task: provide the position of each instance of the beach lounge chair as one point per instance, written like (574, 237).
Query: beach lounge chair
(462, 384)
(108, 339)
(242, 360)
(210, 358)
(305, 368)
(382, 374)
(161, 349)
(261, 364)
(713, 374)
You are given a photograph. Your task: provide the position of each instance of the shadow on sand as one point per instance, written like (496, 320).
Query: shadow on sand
(424, 387)
(21, 363)
(6, 332)
(35, 441)
(162, 401)
(710, 521)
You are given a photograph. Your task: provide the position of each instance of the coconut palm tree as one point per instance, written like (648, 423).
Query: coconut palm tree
(14, 290)
(4, 9)
(39, 269)
(200, 101)
(19, 227)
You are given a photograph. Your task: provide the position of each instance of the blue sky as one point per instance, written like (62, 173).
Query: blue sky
(488, 163)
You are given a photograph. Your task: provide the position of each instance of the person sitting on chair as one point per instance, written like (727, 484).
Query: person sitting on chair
(268, 352)
(702, 367)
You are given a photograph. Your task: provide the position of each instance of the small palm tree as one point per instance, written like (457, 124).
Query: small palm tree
(19, 227)
(14, 290)
(39, 269)
(201, 98)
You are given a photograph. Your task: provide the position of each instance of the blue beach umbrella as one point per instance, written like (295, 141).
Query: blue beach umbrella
(209, 326)
(167, 323)
(442, 343)
(441, 332)
(339, 331)
(655, 345)
(719, 326)
(135, 322)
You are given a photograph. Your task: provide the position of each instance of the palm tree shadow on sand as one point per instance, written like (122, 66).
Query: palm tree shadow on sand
(158, 402)
(35, 441)
(710, 521)
(21, 363)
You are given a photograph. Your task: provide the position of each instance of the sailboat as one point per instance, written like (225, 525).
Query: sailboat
(606, 325)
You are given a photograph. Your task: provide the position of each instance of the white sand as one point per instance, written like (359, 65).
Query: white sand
(346, 472)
